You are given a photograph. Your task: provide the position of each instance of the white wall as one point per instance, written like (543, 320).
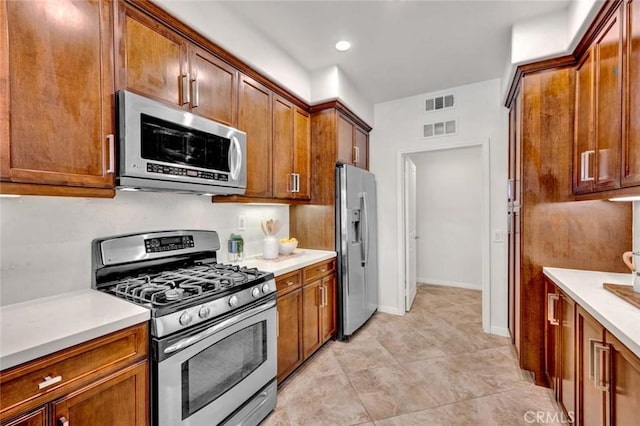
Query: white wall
(330, 83)
(398, 126)
(45, 246)
(449, 213)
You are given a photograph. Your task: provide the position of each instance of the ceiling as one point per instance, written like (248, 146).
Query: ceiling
(399, 48)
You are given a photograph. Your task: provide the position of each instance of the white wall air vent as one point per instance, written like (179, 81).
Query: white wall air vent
(440, 102)
(440, 128)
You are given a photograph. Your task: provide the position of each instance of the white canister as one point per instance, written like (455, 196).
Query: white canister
(270, 247)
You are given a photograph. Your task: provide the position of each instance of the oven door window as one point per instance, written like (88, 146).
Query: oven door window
(175, 144)
(210, 373)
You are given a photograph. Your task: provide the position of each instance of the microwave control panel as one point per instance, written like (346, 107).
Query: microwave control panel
(183, 171)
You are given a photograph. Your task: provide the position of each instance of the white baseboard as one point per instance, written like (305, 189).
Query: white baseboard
(390, 310)
(433, 281)
(500, 331)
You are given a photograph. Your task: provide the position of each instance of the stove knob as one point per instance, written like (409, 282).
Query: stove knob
(255, 292)
(233, 301)
(204, 312)
(265, 288)
(185, 319)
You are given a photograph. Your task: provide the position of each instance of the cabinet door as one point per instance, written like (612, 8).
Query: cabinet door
(345, 140)
(311, 300)
(283, 114)
(36, 417)
(214, 87)
(591, 400)
(118, 400)
(152, 59)
(566, 356)
(254, 118)
(328, 311)
(631, 109)
(625, 384)
(302, 152)
(60, 85)
(361, 148)
(608, 111)
(584, 145)
(289, 332)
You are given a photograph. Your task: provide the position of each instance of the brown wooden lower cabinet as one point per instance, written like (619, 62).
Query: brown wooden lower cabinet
(306, 314)
(104, 381)
(289, 332)
(560, 348)
(608, 376)
(37, 417)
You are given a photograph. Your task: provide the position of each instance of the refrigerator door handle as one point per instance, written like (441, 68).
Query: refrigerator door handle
(365, 230)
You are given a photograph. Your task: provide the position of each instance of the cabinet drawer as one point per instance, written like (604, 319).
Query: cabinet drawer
(37, 382)
(288, 282)
(315, 271)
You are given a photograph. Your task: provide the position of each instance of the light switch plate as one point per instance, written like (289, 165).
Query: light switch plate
(241, 223)
(497, 235)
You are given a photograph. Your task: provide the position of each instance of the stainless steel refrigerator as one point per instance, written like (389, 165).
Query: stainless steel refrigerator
(357, 247)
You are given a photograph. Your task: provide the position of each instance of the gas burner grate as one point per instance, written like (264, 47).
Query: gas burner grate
(173, 286)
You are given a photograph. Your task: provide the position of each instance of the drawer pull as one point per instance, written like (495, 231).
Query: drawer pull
(62, 421)
(322, 270)
(289, 283)
(48, 381)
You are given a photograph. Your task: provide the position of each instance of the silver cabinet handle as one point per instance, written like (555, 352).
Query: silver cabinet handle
(585, 166)
(184, 88)
(598, 350)
(297, 181)
(356, 155)
(195, 93)
(48, 381)
(321, 296)
(62, 421)
(326, 297)
(289, 283)
(551, 308)
(293, 182)
(112, 153)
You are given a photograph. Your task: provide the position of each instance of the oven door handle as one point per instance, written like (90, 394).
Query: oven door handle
(181, 344)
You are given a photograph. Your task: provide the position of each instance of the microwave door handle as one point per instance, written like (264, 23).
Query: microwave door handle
(235, 157)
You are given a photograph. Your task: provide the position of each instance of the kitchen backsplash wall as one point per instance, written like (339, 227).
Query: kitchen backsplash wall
(45, 242)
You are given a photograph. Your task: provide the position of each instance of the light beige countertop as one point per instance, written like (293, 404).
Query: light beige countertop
(621, 318)
(39, 327)
(302, 257)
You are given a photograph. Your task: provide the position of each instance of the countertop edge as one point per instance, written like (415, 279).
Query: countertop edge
(632, 345)
(278, 268)
(53, 346)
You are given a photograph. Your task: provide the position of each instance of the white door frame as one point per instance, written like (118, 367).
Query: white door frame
(409, 284)
(485, 219)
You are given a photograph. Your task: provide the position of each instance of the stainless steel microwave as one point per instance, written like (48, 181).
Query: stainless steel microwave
(164, 148)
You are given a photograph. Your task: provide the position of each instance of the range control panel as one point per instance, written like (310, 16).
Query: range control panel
(154, 245)
(183, 171)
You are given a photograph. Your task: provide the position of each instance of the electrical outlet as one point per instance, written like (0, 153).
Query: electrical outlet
(241, 223)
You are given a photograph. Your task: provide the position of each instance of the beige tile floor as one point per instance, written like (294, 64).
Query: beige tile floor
(433, 366)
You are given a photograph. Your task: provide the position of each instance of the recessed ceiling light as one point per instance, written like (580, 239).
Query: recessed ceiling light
(343, 45)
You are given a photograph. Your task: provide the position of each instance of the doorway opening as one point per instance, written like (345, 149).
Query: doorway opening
(450, 231)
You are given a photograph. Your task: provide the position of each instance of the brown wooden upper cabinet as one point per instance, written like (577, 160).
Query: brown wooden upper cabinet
(255, 118)
(353, 143)
(56, 86)
(157, 62)
(607, 132)
(291, 150)
(631, 97)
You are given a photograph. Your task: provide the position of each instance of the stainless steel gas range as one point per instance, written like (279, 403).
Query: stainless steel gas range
(213, 326)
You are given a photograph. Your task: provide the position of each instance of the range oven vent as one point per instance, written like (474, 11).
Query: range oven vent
(440, 128)
(439, 103)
